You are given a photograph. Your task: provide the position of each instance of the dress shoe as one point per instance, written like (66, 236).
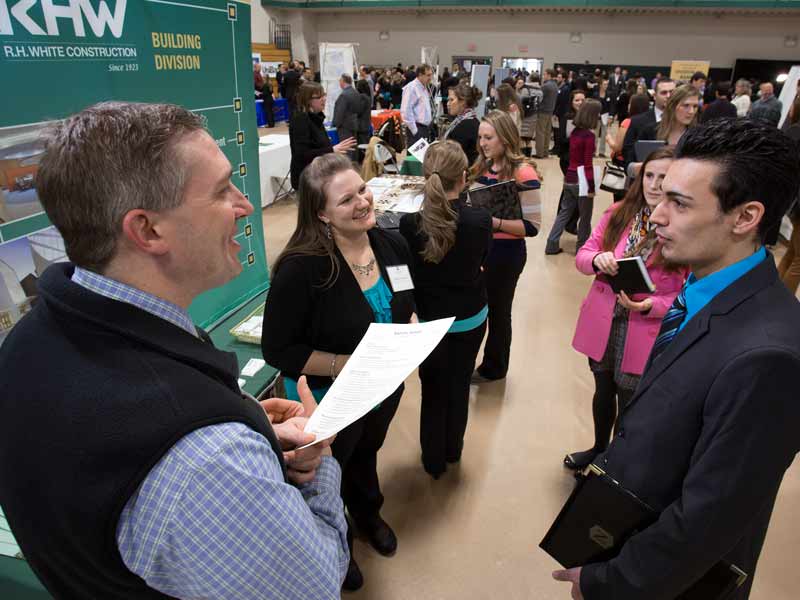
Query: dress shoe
(354, 579)
(553, 251)
(477, 378)
(578, 461)
(380, 535)
(454, 456)
(434, 471)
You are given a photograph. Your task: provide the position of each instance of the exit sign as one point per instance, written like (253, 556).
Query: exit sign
(523, 49)
(472, 47)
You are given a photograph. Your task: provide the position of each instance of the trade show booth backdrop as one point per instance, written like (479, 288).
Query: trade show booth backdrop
(195, 53)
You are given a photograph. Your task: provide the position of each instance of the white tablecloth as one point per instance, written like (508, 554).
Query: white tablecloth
(274, 159)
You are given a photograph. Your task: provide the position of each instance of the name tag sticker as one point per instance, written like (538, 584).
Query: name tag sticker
(400, 278)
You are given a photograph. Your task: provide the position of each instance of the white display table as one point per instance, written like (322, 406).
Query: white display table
(274, 159)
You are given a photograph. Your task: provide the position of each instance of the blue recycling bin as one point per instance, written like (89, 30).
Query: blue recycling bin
(281, 109)
(261, 117)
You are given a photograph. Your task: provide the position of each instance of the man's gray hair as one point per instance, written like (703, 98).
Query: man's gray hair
(109, 159)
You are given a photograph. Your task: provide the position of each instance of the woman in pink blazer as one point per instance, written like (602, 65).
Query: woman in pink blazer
(617, 333)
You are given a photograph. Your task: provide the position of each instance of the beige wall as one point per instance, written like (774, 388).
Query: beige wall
(259, 22)
(303, 25)
(648, 40)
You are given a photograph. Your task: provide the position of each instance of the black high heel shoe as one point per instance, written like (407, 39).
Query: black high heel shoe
(578, 461)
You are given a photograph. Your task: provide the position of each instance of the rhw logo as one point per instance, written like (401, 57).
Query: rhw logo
(17, 14)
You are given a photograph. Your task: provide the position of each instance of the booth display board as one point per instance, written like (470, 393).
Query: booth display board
(788, 92)
(335, 60)
(59, 59)
(682, 70)
(480, 79)
(500, 74)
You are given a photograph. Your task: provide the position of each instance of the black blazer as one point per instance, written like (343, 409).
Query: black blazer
(638, 125)
(307, 140)
(466, 134)
(301, 315)
(345, 113)
(719, 109)
(291, 83)
(455, 286)
(364, 120)
(705, 440)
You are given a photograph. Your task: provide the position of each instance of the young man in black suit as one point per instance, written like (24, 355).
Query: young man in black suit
(712, 427)
(664, 88)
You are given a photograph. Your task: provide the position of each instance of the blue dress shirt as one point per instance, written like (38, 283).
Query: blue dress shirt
(699, 292)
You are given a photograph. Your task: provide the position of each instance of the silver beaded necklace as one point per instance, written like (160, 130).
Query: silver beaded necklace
(366, 269)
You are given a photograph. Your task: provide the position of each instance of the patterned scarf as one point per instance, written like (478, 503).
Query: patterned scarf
(467, 114)
(642, 238)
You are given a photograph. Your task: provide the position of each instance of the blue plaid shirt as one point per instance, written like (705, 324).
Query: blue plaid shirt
(215, 519)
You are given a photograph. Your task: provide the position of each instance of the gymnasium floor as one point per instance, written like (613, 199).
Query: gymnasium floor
(474, 533)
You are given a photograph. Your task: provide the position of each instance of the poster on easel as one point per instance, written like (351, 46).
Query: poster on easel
(789, 92)
(336, 59)
(480, 79)
(195, 53)
(682, 70)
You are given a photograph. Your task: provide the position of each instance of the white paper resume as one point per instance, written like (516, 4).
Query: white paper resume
(385, 356)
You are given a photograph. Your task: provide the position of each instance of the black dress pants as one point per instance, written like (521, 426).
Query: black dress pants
(445, 376)
(269, 108)
(502, 274)
(356, 448)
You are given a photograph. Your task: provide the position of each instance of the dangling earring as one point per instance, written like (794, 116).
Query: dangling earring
(328, 232)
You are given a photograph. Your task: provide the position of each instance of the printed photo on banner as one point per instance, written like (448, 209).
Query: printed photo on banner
(20, 151)
(22, 262)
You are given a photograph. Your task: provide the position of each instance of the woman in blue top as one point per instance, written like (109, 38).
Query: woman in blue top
(450, 243)
(327, 286)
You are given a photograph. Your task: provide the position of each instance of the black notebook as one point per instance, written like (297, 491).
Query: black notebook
(500, 199)
(600, 516)
(632, 277)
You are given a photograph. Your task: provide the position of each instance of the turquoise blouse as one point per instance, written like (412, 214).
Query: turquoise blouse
(379, 298)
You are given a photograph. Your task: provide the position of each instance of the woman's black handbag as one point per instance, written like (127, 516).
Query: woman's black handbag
(613, 178)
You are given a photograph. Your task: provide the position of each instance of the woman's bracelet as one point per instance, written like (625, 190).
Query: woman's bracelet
(333, 367)
(500, 226)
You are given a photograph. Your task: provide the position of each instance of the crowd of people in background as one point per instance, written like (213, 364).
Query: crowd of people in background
(610, 111)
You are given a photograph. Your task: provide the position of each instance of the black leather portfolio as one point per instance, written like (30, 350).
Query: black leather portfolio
(500, 199)
(600, 516)
(632, 277)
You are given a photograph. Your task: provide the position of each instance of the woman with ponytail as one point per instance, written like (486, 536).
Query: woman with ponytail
(449, 243)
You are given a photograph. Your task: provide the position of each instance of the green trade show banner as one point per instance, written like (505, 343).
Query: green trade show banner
(59, 56)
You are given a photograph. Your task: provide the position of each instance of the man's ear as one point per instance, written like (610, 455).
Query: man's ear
(748, 217)
(140, 228)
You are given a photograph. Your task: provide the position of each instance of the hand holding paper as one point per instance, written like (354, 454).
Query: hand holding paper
(387, 354)
(301, 454)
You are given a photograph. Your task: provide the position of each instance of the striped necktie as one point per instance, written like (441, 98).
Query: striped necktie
(670, 325)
